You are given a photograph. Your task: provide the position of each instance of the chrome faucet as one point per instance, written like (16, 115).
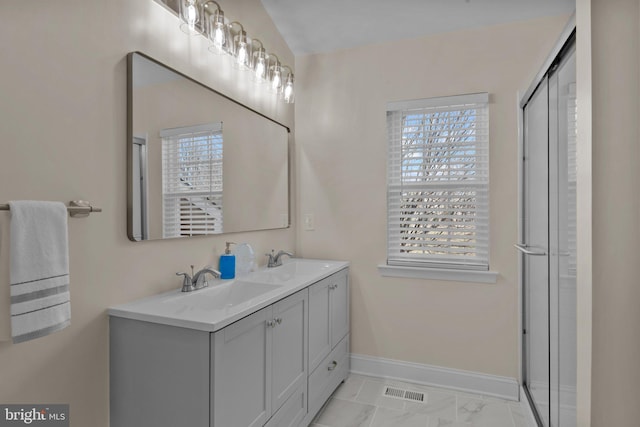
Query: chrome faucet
(275, 260)
(198, 279)
(197, 282)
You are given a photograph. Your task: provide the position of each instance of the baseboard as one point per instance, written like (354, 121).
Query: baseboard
(466, 381)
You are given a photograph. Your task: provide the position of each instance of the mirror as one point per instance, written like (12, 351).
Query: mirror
(199, 162)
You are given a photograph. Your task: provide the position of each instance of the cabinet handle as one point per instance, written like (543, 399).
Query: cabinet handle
(332, 366)
(278, 320)
(271, 323)
(332, 287)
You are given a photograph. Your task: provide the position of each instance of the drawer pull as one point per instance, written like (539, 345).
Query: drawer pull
(333, 287)
(278, 320)
(271, 323)
(332, 366)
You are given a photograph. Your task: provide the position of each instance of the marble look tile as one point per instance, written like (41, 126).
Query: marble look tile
(390, 417)
(518, 415)
(440, 422)
(483, 413)
(371, 393)
(359, 403)
(437, 405)
(350, 388)
(342, 413)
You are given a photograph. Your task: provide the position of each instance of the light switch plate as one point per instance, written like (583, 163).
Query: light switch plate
(309, 222)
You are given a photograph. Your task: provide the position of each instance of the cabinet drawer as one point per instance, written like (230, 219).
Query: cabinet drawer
(292, 411)
(331, 371)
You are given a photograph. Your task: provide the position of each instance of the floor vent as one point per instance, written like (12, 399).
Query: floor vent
(398, 393)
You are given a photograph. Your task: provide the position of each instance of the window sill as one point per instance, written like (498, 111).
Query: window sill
(438, 274)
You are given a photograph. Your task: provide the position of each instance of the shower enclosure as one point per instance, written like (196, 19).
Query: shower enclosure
(548, 239)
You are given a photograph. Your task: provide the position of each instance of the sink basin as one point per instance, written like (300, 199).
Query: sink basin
(224, 302)
(221, 296)
(294, 269)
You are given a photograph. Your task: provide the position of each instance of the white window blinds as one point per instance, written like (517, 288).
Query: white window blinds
(192, 180)
(438, 182)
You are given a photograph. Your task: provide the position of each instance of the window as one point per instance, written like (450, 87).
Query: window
(438, 183)
(192, 180)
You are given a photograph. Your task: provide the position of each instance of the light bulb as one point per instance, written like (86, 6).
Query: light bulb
(242, 54)
(192, 16)
(260, 69)
(288, 91)
(276, 81)
(218, 36)
(218, 33)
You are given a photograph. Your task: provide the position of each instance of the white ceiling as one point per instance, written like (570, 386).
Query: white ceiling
(313, 26)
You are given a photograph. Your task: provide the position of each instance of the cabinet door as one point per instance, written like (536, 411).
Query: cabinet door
(289, 347)
(339, 290)
(241, 382)
(319, 329)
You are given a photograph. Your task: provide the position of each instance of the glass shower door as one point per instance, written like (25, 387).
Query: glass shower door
(548, 245)
(562, 232)
(534, 247)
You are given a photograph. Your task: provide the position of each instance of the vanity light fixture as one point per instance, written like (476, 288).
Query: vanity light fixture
(217, 29)
(207, 18)
(190, 15)
(241, 47)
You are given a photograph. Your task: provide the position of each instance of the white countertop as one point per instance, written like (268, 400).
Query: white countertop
(226, 301)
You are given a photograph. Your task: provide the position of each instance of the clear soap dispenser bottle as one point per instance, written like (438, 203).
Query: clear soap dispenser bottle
(228, 263)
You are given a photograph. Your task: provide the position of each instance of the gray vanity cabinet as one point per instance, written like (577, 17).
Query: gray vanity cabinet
(289, 347)
(159, 375)
(241, 378)
(319, 326)
(328, 316)
(328, 338)
(339, 304)
(259, 363)
(275, 367)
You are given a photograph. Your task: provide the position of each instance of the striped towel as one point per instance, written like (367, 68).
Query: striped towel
(39, 276)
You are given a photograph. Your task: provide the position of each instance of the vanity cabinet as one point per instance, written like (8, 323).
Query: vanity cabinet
(259, 362)
(328, 316)
(328, 338)
(275, 367)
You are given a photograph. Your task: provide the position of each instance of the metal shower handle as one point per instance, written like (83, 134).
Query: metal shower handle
(525, 250)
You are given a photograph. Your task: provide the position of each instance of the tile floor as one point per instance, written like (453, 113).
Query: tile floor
(359, 402)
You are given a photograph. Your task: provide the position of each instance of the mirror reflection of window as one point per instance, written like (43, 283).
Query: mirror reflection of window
(139, 191)
(192, 180)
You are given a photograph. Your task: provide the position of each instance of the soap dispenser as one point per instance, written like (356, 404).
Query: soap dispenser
(228, 263)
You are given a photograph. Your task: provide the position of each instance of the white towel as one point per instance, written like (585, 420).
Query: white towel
(39, 276)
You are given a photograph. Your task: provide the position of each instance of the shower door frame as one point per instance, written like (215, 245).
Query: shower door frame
(566, 39)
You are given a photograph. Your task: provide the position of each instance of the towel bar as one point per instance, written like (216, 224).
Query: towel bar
(76, 208)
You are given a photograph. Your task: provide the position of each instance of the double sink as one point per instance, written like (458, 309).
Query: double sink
(225, 301)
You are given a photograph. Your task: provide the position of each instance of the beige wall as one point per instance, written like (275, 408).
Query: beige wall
(615, 56)
(62, 137)
(342, 151)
